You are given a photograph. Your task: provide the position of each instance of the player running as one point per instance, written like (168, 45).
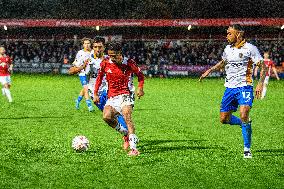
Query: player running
(119, 100)
(238, 59)
(269, 66)
(6, 67)
(82, 59)
(97, 55)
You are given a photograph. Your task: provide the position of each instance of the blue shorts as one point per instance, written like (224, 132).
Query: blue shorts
(83, 80)
(233, 97)
(103, 99)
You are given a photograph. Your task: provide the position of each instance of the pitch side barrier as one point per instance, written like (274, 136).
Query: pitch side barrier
(45, 67)
(176, 70)
(150, 70)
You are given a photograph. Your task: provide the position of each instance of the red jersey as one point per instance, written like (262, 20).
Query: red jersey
(117, 76)
(5, 62)
(269, 64)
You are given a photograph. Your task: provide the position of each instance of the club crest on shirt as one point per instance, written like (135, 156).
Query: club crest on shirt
(109, 71)
(241, 55)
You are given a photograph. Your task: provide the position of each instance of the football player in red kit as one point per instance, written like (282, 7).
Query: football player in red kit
(270, 65)
(6, 67)
(119, 100)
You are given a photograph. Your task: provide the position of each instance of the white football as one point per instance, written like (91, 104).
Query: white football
(80, 143)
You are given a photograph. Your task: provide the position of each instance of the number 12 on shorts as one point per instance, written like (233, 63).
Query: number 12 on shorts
(246, 95)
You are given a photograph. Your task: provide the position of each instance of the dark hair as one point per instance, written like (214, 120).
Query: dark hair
(99, 39)
(238, 27)
(86, 39)
(114, 46)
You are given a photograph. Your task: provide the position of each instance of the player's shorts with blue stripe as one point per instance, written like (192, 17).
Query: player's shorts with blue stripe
(103, 99)
(83, 80)
(234, 97)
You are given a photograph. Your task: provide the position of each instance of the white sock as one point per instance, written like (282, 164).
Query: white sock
(263, 91)
(133, 141)
(8, 94)
(3, 91)
(246, 149)
(121, 129)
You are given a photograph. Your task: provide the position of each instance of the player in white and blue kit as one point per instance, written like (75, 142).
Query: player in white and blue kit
(97, 55)
(238, 59)
(82, 59)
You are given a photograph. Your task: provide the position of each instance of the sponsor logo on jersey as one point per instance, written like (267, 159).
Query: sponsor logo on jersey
(236, 64)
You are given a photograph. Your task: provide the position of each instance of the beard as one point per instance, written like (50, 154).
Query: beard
(231, 42)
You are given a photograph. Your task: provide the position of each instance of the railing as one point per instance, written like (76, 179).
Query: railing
(154, 70)
(39, 67)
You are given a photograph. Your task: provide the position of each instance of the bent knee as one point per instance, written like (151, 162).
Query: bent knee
(107, 117)
(225, 117)
(224, 120)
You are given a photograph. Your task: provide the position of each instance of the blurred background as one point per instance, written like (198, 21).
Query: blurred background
(166, 38)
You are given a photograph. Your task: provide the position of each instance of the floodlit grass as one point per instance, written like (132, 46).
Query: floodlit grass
(182, 143)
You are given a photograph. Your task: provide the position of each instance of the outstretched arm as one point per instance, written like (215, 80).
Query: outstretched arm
(218, 66)
(259, 87)
(135, 69)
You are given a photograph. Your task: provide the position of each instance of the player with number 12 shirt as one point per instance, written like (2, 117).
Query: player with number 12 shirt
(238, 59)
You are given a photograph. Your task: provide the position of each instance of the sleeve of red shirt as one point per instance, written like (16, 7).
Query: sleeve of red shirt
(135, 69)
(99, 77)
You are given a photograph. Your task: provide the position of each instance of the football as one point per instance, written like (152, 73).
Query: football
(80, 143)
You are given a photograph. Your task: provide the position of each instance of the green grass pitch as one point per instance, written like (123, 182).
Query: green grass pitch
(182, 143)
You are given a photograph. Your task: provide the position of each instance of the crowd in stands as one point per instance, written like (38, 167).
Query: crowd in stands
(174, 53)
(192, 53)
(145, 53)
(42, 51)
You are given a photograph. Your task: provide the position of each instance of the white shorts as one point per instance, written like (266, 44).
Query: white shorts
(91, 87)
(5, 80)
(118, 102)
(266, 80)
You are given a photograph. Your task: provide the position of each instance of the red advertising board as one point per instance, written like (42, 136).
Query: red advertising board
(141, 22)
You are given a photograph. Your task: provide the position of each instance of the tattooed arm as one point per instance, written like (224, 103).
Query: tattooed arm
(259, 87)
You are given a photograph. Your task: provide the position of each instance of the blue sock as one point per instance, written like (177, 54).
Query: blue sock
(121, 120)
(89, 103)
(235, 120)
(246, 131)
(79, 99)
